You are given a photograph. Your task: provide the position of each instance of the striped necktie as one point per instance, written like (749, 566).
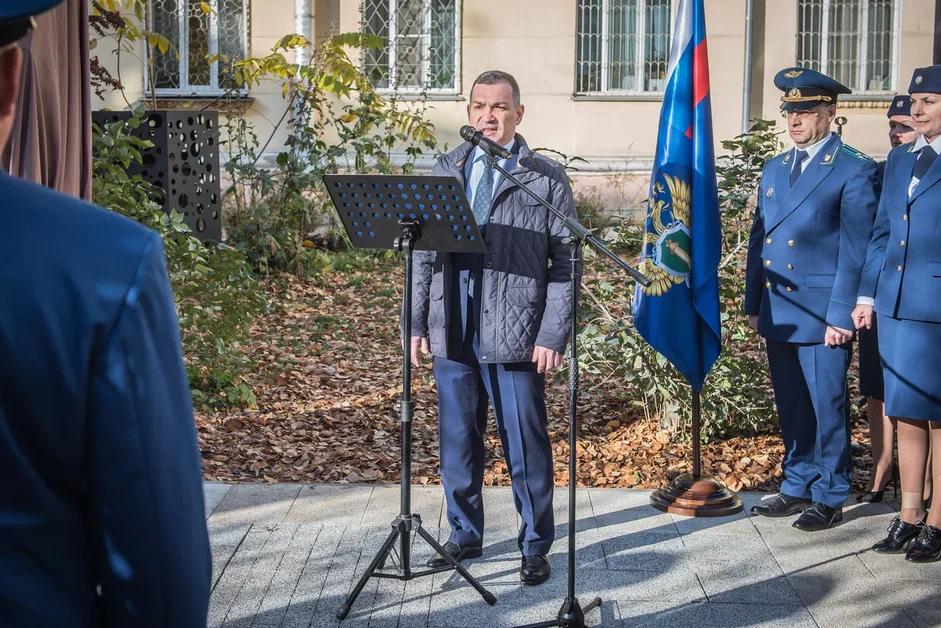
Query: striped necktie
(483, 195)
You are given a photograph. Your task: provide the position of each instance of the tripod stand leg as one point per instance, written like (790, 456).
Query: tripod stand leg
(379, 557)
(595, 603)
(471, 580)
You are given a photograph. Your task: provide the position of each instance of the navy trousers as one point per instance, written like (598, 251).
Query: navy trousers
(517, 393)
(810, 393)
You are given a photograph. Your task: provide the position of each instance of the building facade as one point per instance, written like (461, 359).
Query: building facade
(591, 71)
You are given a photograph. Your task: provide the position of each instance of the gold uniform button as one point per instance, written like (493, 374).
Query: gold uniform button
(767, 284)
(898, 268)
(901, 242)
(790, 266)
(790, 289)
(768, 241)
(767, 262)
(790, 242)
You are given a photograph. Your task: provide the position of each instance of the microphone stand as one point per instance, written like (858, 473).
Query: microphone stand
(572, 615)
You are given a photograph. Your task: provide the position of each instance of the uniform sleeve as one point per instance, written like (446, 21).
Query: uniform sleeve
(857, 212)
(875, 251)
(753, 268)
(145, 496)
(557, 316)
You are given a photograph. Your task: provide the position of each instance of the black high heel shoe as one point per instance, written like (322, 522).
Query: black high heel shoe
(874, 497)
(927, 547)
(901, 536)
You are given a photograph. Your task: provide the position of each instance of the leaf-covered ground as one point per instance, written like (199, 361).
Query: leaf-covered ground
(325, 366)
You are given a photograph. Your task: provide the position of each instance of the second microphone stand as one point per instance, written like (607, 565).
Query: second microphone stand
(571, 614)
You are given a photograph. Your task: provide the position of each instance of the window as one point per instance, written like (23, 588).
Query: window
(853, 41)
(422, 44)
(195, 36)
(622, 47)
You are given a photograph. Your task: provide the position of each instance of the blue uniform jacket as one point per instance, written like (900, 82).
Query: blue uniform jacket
(100, 481)
(808, 244)
(903, 264)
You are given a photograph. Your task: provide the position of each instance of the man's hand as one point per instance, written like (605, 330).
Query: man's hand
(419, 342)
(836, 336)
(752, 321)
(546, 359)
(862, 316)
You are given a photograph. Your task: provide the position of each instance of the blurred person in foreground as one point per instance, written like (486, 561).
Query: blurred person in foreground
(102, 519)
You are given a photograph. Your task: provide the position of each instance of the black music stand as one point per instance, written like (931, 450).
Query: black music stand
(406, 213)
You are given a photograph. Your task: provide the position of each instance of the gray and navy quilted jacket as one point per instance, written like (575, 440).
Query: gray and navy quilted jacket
(526, 289)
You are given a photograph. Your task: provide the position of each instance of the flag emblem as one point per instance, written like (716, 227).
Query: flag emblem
(667, 240)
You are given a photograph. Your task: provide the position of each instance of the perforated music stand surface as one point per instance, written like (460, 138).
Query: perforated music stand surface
(371, 206)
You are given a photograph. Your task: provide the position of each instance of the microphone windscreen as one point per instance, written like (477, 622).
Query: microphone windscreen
(468, 132)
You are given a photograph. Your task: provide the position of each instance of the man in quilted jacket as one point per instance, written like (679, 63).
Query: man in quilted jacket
(495, 324)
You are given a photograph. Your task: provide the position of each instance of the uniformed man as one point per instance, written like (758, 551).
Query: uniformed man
(102, 520)
(816, 206)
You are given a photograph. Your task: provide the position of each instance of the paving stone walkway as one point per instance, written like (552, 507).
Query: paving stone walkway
(287, 555)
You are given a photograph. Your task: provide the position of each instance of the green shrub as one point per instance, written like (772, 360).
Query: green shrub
(217, 297)
(279, 217)
(736, 398)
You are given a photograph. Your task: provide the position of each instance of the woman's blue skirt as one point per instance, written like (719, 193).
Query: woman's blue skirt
(911, 367)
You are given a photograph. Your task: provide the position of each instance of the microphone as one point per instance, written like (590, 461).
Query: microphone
(477, 138)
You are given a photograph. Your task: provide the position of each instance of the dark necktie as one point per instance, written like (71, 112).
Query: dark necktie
(799, 157)
(926, 157)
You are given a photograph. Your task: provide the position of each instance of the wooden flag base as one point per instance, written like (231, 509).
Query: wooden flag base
(703, 497)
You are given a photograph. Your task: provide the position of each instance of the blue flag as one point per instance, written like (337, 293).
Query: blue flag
(678, 314)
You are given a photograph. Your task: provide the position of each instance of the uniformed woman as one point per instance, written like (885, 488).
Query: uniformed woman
(902, 280)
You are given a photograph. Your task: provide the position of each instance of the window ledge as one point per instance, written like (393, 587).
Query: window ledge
(419, 96)
(617, 97)
(864, 101)
(220, 103)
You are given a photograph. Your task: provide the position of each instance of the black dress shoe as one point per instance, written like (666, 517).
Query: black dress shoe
(780, 505)
(534, 569)
(901, 533)
(456, 552)
(818, 517)
(927, 547)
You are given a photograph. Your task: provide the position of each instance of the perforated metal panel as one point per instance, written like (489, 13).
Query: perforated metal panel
(184, 163)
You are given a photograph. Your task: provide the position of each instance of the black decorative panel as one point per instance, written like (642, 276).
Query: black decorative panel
(184, 163)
